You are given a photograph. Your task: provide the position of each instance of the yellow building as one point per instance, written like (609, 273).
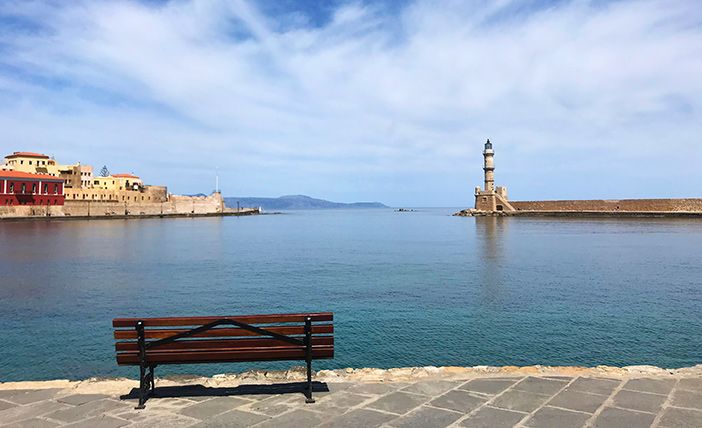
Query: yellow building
(75, 176)
(118, 182)
(35, 163)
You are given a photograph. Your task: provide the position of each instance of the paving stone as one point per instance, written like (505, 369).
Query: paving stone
(209, 408)
(31, 395)
(550, 417)
(102, 421)
(488, 386)
(337, 386)
(365, 418)
(490, 417)
(398, 402)
(327, 408)
(232, 419)
(682, 398)
(460, 401)
(170, 404)
(88, 410)
(656, 386)
(32, 423)
(343, 399)
(520, 400)
(580, 401)
(426, 417)
(594, 385)
(612, 417)
(132, 415)
(642, 401)
(431, 388)
(681, 418)
(205, 397)
(19, 413)
(5, 393)
(169, 420)
(78, 399)
(295, 419)
(374, 388)
(691, 384)
(541, 385)
(275, 405)
(6, 405)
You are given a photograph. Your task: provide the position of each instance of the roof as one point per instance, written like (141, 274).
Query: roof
(27, 155)
(28, 175)
(124, 176)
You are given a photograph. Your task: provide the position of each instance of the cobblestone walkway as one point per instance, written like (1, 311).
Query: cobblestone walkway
(527, 401)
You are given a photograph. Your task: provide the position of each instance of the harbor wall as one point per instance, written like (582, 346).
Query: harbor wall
(613, 205)
(170, 205)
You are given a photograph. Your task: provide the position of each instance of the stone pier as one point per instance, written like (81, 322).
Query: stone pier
(640, 396)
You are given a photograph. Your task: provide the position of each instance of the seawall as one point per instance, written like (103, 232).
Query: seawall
(402, 374)
(167, 206)
(612, 205)
(680, 207)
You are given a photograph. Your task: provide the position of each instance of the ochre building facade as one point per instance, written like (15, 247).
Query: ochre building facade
(37, 186)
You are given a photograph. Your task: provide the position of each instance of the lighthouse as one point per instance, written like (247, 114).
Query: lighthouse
(491, 199)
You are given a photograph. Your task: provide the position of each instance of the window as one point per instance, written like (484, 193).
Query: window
(24, 188)
(30, 162)
(21, 162)
(34, 188)
(55, 189)
(46, 188)
(12, 187)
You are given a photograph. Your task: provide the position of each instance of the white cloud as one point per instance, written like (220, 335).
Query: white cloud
(366, 97)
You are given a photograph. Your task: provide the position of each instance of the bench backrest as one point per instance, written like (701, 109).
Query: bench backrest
(179, 340)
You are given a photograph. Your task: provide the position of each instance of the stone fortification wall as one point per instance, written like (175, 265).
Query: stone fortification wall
(150, 194)
(31, 211)
(172, 205)
(621, 205)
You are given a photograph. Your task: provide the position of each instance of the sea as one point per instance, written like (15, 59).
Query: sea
(418, 288)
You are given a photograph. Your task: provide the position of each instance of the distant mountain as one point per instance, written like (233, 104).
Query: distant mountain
(296, 202)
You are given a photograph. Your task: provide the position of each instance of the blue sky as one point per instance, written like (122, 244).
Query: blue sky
(350, 101)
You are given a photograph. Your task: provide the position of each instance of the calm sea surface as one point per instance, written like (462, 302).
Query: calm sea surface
(407, 289)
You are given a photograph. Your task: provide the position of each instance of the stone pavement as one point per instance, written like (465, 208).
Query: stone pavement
(535, 400)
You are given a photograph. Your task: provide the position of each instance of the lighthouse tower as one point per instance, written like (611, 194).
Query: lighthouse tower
(489, 167)
(491, 199)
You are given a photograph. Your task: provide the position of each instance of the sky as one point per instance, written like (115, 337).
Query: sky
(362, 101)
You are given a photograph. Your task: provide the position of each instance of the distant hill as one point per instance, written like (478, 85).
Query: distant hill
(296, 202)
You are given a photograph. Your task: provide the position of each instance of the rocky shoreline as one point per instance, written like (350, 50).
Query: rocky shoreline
(362, 375)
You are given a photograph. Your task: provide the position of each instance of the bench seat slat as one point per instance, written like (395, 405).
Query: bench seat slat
(224, 332)
(226, 343)
(208, 356)
(248, 319)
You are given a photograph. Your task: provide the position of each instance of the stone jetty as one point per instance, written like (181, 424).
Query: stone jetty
(535, 396)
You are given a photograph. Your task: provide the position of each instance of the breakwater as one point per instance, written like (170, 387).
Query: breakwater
(671, 207)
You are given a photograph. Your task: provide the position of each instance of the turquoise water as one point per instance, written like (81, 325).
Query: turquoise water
(407, 289)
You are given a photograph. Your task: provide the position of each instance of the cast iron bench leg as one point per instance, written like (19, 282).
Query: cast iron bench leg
(308, 358)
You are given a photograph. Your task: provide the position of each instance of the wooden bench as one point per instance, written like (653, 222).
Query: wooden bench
(149, 342)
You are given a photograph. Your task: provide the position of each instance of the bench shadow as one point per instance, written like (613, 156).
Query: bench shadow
(204, 391)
